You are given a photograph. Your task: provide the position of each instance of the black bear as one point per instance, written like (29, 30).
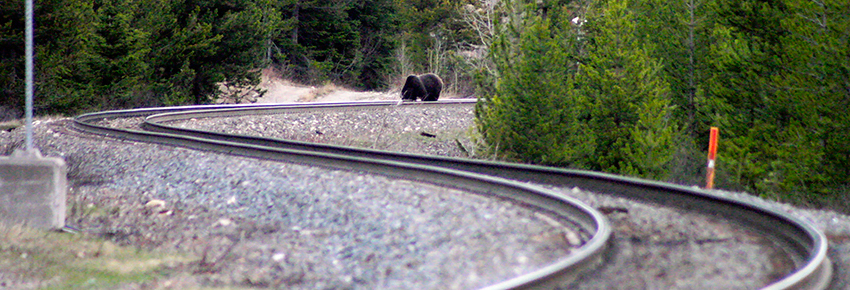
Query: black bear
(426, 87)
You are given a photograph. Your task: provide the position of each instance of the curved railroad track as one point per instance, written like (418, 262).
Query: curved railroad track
(804, 245)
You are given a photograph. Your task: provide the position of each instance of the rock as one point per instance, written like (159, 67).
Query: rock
(223, 222)
(572, 238)
(155, 204)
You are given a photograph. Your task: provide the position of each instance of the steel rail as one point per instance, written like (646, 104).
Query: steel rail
(805, 244)
(565, 269)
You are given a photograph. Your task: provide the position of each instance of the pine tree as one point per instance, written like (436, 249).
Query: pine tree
(534, 114)
(61, 51)
(651, 146)
(629, 98)
(196, 46)
(812, 154)
(114, 64)
(746, 59)
(11, 54)
(377, 25)
(348, 42)
(680, 32)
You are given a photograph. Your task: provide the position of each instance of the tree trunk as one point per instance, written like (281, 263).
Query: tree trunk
(295, 12)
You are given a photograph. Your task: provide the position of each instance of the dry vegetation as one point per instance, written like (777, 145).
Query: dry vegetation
(35, 259)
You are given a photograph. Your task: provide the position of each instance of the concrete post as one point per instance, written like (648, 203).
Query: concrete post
(33, 189)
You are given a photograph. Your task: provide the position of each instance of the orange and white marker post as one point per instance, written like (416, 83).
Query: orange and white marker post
(712, 154)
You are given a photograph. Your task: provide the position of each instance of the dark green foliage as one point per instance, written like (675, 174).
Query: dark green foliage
(599, 106)
(745, 59)
(377, 29)
(349, 42)
(781, 89)
(11, 54)
(111, 66)
(811, 148)
(429, 28)
(62, 47)
(774, 75)
(197, 45)
(106, 54)
(681, 34)
(534, 114)
(630, 112)
(324, 31)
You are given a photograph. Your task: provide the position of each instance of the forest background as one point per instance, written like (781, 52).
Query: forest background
(626, 87)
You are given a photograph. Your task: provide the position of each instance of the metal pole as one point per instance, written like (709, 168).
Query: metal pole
(29, 73)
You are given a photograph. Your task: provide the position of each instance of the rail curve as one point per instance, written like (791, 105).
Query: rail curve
(806, 245)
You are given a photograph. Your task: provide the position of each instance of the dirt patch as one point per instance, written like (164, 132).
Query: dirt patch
(276, 89)
(279, 90)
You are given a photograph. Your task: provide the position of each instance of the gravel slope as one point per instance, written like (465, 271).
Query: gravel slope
(658, 248)
(303, 227)
(296, 226)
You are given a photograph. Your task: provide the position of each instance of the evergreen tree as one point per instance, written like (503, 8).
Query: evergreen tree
(746, 58)
(180, 39)
(427, 28)
(11, 54)
(534, 114)
(196, 46)
(348, 42)
(812, 154)
(629, 98)
(377, 29)
(61, 49)
(600, 106)
(651, 143)
(112, 67)
(680, 32)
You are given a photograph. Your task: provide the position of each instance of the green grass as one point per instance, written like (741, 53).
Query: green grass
(57, 260)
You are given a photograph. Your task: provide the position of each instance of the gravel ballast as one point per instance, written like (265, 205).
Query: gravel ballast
(302, 227)
(296, 226)
(658, 248)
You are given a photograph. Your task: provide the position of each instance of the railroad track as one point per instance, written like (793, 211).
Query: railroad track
(805, 246)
